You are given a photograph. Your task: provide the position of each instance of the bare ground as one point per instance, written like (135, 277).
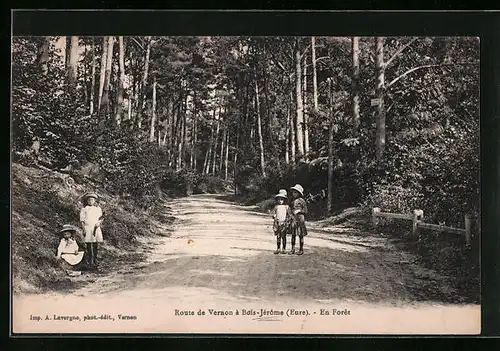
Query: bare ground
(222, 247)
(219, 255)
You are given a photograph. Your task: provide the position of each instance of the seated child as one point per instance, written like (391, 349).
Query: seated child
(283, 220)
(68, 249)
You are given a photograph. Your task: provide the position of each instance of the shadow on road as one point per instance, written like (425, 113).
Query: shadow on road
(370, 276)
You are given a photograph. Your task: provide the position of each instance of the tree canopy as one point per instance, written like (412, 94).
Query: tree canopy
(395, 119)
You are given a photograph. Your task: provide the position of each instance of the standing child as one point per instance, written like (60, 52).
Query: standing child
(283, 218)
(299, 209)
(91, 219)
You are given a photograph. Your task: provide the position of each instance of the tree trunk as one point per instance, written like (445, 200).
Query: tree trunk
(215, 144)
(355, 82)
(330, 148)
(142, 101)
(193, 135)
(315, 78)
(72, 70)
(85, 76)
(102, 76)
(107, 79)
(259, 128)
(43, 55)
(67, 44)
(304, 92)
(182, 144)
(292, 132)
(129, 117)
(92, 79)
(179, 139)
(299, 107)
(380, 134)
(269, 113)
(121, 82)
(287, 135)
(195, 144)
(208, 155)
(136, 101)
(227, 153)
(164, 140)
(170, 137)
(223, 142)
(153, 114)
(235, 155)
(171, 119)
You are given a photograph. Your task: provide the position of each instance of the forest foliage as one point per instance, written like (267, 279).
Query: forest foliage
(389, 122)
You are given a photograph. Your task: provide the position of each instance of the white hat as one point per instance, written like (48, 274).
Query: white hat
(298, 188)
(68, 228)
(282, 193)
(87, 195)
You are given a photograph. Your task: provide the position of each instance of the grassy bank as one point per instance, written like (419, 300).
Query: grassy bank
(42, 201)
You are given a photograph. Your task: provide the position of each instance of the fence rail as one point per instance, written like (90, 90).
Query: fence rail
(417, 223)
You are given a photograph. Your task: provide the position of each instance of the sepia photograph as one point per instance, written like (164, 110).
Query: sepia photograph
(245, 185)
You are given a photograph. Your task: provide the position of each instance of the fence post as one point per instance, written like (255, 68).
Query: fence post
(467, 229)
(418, 215)
(376, 210)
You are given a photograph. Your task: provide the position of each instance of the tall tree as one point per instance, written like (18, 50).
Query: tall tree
(259, 126)
(293, 150)
(330, 147)
(142, 95)
(153, 114)
(107, 79)
(223, 144)
(183, 116)
(43, 54)
(380, 124)
(355, 82)
(102, 76)
(121, 81)
(67, 51)
(214, 151)
(287, 134)
(227, 154)
(92, 79)
(299, 123)
(72, 68)
(315, 78)
(304, 92)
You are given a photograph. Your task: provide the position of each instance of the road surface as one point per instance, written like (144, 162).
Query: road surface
(219, 256)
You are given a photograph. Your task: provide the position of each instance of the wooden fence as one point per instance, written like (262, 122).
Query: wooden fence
(417, 223)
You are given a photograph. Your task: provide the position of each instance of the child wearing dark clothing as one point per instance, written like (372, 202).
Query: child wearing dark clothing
(299, 209)
(283, 220)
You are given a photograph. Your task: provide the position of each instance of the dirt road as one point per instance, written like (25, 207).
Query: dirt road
(220, 256)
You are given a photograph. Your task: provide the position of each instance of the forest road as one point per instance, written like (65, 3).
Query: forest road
(219, 256)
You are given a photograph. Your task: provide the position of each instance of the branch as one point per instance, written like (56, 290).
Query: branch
(305, 51)
(428, 66)
(398, 52)
(137, 42)
(280, 65)
(321, 58)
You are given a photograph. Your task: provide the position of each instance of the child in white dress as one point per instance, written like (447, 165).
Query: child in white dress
(68, 249)
(283, 220)
(91, 220)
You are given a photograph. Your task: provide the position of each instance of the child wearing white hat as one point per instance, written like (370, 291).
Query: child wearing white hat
(91, 219)
(299, 209)
(283, 220)
(68, 249)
